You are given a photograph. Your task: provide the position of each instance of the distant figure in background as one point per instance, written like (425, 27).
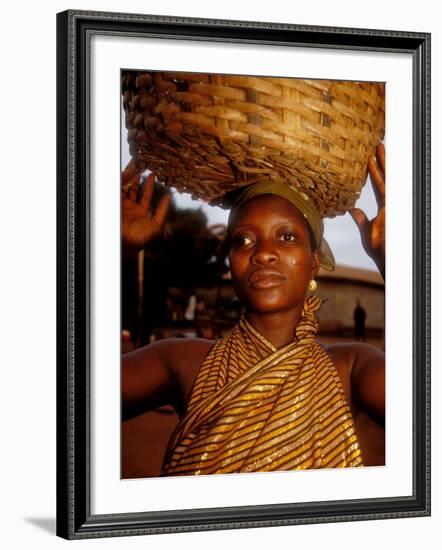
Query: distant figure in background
(359, 316)
(189, 314)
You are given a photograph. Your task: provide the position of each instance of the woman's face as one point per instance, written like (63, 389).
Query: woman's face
(271, 257)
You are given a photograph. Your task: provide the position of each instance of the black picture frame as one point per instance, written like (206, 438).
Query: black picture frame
(74, 518)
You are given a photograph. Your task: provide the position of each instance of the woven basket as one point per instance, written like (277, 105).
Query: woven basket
(208, 133)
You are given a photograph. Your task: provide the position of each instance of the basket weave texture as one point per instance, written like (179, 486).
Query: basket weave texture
(208, 134)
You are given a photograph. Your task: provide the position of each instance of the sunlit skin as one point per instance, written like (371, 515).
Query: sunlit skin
(268, 234)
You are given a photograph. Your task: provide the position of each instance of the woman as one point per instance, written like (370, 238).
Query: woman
(267, 396)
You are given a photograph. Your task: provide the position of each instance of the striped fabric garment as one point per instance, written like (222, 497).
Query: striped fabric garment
(255, 408)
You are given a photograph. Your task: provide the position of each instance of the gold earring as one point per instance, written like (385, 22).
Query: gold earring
(313, 285)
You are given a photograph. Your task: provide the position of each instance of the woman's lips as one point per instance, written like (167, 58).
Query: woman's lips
(266, 278)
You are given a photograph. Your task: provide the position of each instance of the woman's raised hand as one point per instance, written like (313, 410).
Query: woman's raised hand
(373, 231)
(139, 226)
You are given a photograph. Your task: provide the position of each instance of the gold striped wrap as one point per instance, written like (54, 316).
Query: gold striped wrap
(255, 408)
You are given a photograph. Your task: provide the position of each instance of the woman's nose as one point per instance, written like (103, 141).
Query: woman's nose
(264, 254)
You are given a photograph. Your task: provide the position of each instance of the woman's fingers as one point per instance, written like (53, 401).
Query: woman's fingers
(362, 222)
(132, 193)
(147, 193)
(377, 180)
(131, 182)
(160, 214)
(380, 155)
(129, 172)
(138, 226)
(127, 205)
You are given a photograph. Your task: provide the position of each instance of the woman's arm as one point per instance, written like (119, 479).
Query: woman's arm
(147, 379)
(368, 364)
(361, 368)
(162, 373)
(368, 381)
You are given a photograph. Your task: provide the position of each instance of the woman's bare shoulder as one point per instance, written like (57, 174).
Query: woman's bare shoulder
(171, 348)
(186, 354)
(176, 349)
(353, 351)
(350, 358)
(184, 357)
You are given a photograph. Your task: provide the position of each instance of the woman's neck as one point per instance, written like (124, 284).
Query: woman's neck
(278, 328)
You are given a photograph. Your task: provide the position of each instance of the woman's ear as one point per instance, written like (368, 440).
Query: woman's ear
(315, 263)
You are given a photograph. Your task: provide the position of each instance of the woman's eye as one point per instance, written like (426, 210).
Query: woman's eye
(242, 240)
(288, 237)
